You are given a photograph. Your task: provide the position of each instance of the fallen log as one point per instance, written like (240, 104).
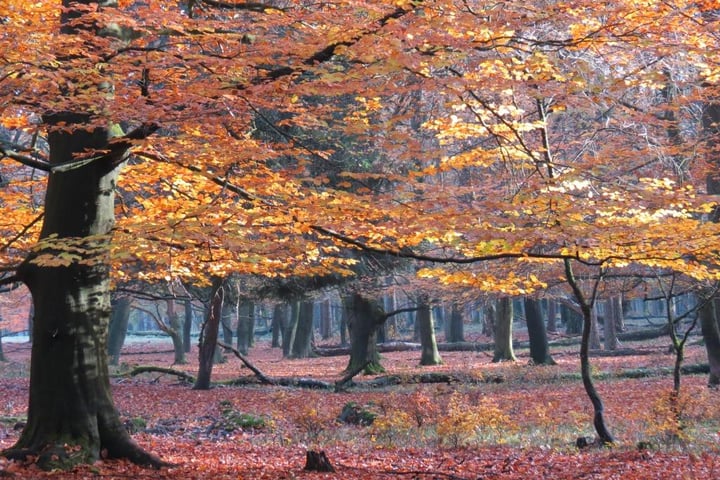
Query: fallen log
(167, 371)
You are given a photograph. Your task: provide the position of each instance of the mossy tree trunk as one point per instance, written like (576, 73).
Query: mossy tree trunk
(363, 318)
(302, 342)
(71, 416)
(174, 330)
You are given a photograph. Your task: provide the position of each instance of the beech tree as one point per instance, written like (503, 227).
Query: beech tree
(541, 139)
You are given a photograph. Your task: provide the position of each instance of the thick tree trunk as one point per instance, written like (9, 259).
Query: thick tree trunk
(429, 354)
(119, 319)
(302, 342)
(364, 317)
(209, 335)
(454, 331)
(709, 321)
(503, 331)
(710, 327)
(71, 416)
(539, 348)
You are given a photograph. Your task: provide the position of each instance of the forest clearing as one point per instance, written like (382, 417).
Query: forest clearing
(517, 421)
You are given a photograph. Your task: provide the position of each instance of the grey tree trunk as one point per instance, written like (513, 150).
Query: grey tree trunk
(302, 341)
(709, 321)
(187, 325)
(612, 320)
(429, 352)
(245, 326)
(454, 331)
(539, 347)
(363, 317)
(174, 330)
(552, 316)
(119, 319)
(710, 328)
(503, 331)
(279, 323)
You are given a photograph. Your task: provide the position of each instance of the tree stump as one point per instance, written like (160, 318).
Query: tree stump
(317, 462)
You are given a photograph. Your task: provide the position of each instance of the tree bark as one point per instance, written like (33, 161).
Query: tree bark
(539, 348)
(70, 402)
(363, 317)
(187, 325)
(604, 435)
(710, 328)
(119, 319)
(612, 320)
(209, 335)
(429, 354)
(503, 331)
(455, 331)
(301, 346)
(279, 323)
(175, 332)
(245, 326)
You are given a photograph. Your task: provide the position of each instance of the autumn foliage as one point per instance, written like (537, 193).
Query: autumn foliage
(489, 142)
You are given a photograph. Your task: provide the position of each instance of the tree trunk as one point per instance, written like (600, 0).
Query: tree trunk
(709, 321)
(539, 348)
(279, 323)
(119, 319)
(70, 403)
(429, 354)
(552, 316)
(454, 328)
(174, 330)
(586, 307)
(503, 331)
(594, 338)
(364, 317)
(302, 341)
(325, 320)
(612, 320)
(245, 326)
(571, 319)
(290, 331)
(187, 326)
(209, 335)
(710, 328)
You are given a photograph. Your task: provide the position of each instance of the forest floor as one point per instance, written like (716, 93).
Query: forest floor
(509, 421)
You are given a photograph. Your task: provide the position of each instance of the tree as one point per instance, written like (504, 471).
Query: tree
(429, 352)
(502, 333)
(539, 348)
